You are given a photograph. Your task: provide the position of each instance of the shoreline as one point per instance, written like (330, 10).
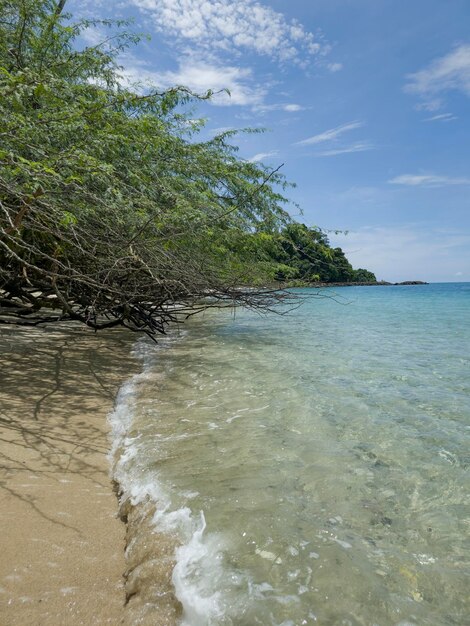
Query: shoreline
(62, 543)
(150, 552)
(378, 283)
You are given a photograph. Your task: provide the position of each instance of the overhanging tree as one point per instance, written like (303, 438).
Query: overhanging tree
(111, 211)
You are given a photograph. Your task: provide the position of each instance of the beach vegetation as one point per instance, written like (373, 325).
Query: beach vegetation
(113, 210)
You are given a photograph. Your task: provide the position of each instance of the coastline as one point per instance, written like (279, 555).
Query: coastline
(377, 283)
(62, 541)
(150, 551)
(72, 376)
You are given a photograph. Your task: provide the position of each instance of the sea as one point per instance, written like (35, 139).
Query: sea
(310, 466)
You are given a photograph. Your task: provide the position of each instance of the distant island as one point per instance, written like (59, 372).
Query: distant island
(302, 256)
(373, 283)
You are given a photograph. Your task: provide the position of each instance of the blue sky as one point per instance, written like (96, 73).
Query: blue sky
(365, 102)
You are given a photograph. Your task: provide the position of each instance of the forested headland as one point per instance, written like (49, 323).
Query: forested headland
(113, 210)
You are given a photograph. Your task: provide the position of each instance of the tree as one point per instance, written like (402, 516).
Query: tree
(364, 276)
(308, 256)
(111, 211)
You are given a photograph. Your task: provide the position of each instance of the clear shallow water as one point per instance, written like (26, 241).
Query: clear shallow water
(313, 466)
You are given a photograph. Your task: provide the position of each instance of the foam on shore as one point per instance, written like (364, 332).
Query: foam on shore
(173, 563)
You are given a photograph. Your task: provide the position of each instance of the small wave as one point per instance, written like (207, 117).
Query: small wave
(198, 555)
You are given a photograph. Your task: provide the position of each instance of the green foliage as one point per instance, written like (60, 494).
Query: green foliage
(109, 204)
(111, 209)
(304, 254)
(364, 276)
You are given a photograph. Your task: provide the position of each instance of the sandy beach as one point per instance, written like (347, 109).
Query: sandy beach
(62, 543)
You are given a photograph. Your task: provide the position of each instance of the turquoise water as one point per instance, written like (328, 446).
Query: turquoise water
(314, 466)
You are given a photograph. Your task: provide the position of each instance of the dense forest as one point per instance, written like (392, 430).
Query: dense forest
(305, 256)
(112, 210)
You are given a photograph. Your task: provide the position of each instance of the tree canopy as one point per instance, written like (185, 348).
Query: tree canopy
(112, 210)
(302, 255)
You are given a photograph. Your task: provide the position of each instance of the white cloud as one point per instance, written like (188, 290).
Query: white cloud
(360, 146)
(288, 108)
(335, 67)
(93, 36)
(221, 129)
(292, 108)
(448, 73)
(428, 180)
(408, 252)
(442, 117)
(200, 77)
(232, 26)
(331, 134)
(263, 155)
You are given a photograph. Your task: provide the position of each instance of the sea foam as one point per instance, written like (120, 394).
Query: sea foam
(198, 553)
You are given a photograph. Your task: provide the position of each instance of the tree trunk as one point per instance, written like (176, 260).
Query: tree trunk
(60, 7)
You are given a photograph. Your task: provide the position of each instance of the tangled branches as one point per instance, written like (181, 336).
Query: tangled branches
(105, 271)
(111, 213)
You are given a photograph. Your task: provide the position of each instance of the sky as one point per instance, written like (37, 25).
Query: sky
(365, 105)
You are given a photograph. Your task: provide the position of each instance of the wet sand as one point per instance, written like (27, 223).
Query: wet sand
(62, 543)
